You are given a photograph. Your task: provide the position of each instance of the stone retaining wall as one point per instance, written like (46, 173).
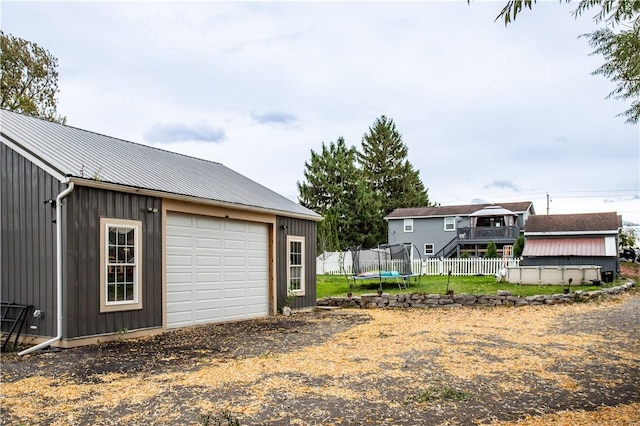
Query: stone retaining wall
(502, 297)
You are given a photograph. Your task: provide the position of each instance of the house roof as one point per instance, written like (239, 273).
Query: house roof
(460, 210)
(88, 157)
(573, 223)
(565, 247)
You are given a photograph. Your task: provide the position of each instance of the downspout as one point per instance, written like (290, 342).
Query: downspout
(58, 272)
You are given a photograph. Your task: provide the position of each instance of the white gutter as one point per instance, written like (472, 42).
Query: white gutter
(58, 272)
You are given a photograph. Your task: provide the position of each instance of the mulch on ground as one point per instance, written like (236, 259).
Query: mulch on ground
(573, 364)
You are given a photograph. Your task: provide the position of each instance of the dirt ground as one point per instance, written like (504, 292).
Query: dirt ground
(563, 365)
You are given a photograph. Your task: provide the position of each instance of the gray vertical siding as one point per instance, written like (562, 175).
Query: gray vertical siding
(308, 230)
(85, 207)
(28, 237)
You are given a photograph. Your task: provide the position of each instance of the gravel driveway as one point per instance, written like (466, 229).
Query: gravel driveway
(396, 367)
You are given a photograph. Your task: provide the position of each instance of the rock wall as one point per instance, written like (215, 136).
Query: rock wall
(422, 300)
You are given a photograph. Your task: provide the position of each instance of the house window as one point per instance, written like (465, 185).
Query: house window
(408, 225)
(295, 265)
(120, 265)
(429, 249)
(449, 223)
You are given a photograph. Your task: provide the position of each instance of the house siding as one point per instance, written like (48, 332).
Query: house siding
(428, 230)
(308, 230)
(28, 237)
(85, 207)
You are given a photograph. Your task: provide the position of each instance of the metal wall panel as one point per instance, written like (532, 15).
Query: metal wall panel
(28, 238)
(305, 228)
(85, 207)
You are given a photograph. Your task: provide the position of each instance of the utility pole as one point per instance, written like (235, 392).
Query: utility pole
(548, 203)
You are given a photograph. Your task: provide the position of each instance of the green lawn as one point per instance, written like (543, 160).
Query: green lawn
(337, 285)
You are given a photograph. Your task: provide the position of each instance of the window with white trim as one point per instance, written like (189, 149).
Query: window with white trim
(295, 265)
(120, 265)
(429, 249)
(408, 225)
(449, 223)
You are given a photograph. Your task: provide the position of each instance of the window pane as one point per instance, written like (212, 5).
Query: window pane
(111, 274)
(128, 291)
(130, 239)
(111, 293)
(112, 236)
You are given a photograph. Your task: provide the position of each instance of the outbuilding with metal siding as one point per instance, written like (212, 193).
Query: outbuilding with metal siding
(144, 239)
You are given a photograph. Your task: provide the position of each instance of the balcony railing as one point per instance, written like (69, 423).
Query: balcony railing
(486, 233)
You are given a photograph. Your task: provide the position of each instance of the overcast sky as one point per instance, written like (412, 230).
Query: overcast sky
(488, 113)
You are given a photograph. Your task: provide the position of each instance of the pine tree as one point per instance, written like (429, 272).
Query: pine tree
(333, 187)
(492, 251)
(518, 246)
(386, 170)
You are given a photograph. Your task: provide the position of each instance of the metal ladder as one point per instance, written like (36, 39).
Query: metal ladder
(12, 319)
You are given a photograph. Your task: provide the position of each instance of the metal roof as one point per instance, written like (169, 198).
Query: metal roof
(565, 247)
(82, 154)
(459, 210)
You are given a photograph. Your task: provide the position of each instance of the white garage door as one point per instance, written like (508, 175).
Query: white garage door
(217, 270)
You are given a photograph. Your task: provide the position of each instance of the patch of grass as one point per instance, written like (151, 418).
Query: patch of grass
(441, 393)
(338, 286)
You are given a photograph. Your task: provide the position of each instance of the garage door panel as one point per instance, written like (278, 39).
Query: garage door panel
(209, 295)
(211, 243)
(178, 260)
(176, 241)
(217, 270)
(202, 260)
(204, 316)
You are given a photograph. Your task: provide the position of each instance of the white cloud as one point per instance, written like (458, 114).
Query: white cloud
(485, 110)
(182, 132)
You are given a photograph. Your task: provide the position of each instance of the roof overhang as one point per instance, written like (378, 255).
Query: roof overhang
(178, 197)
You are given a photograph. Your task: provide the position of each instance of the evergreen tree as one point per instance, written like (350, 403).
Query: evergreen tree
(518, 246)
(333, 187)
(386, 170)
(492, 251)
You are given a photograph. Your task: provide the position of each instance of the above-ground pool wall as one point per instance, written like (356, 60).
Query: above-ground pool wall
(28, 238)
(303, 228)
(579, 275)
(85, 207)
(606, 263)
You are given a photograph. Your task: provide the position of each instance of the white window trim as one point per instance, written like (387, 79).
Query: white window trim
(407, 225)
(449, 221)
(302, 290)
(433, 249)
(136, 303)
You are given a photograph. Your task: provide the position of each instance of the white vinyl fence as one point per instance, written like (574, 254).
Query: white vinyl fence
(338, 263)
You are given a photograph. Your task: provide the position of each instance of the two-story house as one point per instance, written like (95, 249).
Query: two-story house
(451, 231)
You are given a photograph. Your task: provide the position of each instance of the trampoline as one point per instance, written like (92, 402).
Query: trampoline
(387, 262)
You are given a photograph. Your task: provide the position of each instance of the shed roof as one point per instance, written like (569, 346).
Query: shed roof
(459, 210)
(81, 154)
(594, 246)
(584, 222)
